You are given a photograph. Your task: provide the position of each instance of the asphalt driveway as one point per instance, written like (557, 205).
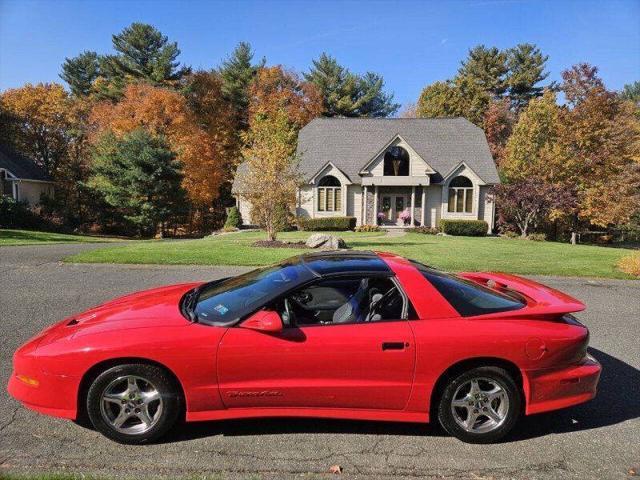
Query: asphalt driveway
(600, 439)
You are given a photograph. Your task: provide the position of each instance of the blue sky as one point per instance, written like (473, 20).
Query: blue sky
(411, 43)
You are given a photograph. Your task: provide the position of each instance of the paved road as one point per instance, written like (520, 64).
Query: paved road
(600, 439)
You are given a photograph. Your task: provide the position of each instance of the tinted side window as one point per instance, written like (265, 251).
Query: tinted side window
(343, 300)
(468, 298)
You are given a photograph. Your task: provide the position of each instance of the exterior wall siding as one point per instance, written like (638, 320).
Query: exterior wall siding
(32, 192)
(354, 202)
(432, 205)
(305, 202)
(244, 207)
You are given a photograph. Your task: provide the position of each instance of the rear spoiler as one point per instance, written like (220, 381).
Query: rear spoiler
(541, 300)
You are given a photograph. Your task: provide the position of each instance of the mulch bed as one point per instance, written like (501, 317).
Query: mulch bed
(278, 244)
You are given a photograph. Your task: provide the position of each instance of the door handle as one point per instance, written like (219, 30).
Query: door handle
(394, 345)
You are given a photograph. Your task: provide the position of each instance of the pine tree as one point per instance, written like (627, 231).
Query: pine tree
(144, 53)
(526, 65)
(80, 72)
(349, 95)
(237, 73)
(139, 176)
(485, 68)
(631, 91)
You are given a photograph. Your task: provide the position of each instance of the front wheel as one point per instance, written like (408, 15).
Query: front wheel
(481, 405)
(134, 403)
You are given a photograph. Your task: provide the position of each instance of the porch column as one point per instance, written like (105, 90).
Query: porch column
(375, 205)
(364, 207)
(413, 204)
(424, 205)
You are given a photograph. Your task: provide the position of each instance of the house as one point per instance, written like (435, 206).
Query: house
(376, 169)
(22, 179)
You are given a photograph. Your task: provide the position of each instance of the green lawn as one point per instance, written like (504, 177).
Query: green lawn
(449, 253)
(29, 237)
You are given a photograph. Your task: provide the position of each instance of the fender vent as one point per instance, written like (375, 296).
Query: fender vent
(72, 322)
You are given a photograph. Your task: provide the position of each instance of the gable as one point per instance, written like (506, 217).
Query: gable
(417, 165)
(330, 169)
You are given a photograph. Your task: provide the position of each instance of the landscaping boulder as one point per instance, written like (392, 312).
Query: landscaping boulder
(325, 242)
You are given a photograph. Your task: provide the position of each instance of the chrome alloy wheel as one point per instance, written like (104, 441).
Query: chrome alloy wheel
(480, 405)
(131, 405)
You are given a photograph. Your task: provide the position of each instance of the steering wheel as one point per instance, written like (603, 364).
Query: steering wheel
(375, 304)
(301, 298)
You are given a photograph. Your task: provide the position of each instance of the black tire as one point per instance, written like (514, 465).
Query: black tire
(495, 430)
(165, 417)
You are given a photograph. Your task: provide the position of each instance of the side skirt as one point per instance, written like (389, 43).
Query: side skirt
(338, 413)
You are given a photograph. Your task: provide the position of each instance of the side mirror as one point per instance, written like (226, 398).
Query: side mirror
(264, 321)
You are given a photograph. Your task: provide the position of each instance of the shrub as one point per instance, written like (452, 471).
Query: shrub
(467, 228)
(426, 230)
(326, 224)
(368, 228)
(234, 219)
(537, 237)
(15, 214)
(510, 234)
(630, 264)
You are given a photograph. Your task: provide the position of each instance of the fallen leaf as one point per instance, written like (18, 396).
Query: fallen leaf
(335, 469)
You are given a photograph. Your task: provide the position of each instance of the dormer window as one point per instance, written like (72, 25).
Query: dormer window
(396, 162)
(329, 194)
(460, 195)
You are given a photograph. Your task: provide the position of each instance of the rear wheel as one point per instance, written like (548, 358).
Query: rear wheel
(481, 405)
(134, 403)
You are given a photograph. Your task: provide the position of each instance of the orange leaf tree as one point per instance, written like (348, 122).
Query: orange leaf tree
(201, 148)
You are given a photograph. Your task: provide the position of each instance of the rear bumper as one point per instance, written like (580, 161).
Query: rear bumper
(560, 388)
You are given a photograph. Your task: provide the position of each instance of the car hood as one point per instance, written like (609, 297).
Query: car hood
(157, 307)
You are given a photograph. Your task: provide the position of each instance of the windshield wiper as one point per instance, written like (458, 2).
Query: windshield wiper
(189, 304)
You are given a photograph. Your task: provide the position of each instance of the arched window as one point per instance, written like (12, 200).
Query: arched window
(460, 195)
(396, 162)
(329, 194)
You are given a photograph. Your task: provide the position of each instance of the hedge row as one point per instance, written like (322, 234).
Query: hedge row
(326, 223)
(466, 228)
(15, 214)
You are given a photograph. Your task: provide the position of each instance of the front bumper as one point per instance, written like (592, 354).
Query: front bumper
(560, 388)
(30, 384)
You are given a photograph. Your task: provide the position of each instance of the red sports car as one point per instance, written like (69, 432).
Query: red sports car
(356, 335)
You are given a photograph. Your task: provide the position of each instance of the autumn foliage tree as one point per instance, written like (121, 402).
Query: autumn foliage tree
(280, 105)
(528, 202)
(590, 146)
(200, 147)
(598, 149)
(48, 125)
(498, 125)
(40, 119)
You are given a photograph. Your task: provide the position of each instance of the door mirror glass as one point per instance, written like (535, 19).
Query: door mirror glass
(264, 321)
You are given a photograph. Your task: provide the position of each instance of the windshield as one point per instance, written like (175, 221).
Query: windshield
(226, 302)
(467, 297)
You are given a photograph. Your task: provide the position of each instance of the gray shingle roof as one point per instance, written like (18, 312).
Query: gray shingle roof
(21, 166)
(350, 143)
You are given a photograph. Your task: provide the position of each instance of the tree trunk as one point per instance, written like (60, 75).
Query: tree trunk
(573, 238)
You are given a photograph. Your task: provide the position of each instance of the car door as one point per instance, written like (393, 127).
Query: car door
(358, 364)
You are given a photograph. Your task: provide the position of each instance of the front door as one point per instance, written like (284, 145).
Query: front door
(392, 206)
(318, 361)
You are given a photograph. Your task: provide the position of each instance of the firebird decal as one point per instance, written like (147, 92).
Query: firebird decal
(262, 393)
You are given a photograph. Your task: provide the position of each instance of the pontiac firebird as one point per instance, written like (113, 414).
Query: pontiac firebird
(351, 335)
